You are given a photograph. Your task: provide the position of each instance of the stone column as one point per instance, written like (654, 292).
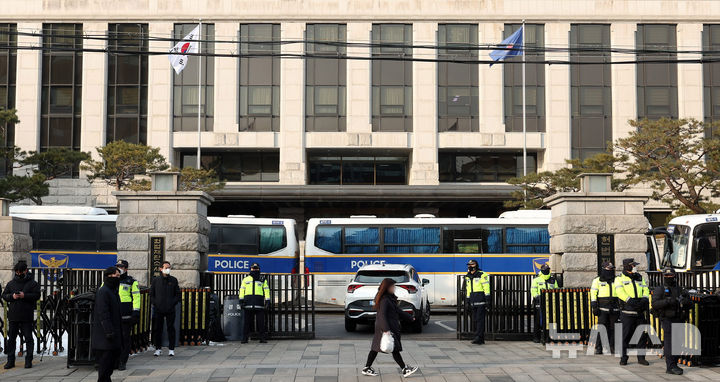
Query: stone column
(577, 219)
(27, 90)
(160, 107)
(557, 99)
(292, 111)
(94, 97)
(15, 242)
(178, 216)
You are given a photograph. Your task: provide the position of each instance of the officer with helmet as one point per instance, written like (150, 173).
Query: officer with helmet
(633, 293)
(604, 304)
(129, 292)
(477, 289)
(544, 280)
(671, 303)
(254, 297)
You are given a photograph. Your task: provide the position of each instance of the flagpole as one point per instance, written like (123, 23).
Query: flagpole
(199, 109)
(524, 121)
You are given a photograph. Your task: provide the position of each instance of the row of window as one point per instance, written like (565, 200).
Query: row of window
(424, 240)
(326, 74)
(246, 240)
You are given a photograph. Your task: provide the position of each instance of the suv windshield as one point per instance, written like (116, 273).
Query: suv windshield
(376, 277)
(680, 237)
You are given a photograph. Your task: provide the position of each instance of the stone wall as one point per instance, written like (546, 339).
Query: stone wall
(78, 192)
(179, 217)
(577, 219)
(15, 244)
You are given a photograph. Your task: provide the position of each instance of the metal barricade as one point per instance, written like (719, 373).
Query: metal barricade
(703, 281)
(292, 309)
(194, 316)
(566, 315)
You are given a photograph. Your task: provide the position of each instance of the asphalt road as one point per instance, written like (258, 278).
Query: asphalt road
(332, 326)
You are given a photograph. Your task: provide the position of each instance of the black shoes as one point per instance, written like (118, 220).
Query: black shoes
(675, 370)
(643, 362)
(623, 361)
(263, 341)
(28, 363)
(598, 351)
(9, 365)
(122, 367)
(244, 341)
(478, 341)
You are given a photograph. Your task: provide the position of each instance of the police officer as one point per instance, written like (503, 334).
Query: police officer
(670, 303)
(254, 297)
(477, 289)
(544, 280)
(604, 304)
(21, 294)
(632, 292)
(129, 292)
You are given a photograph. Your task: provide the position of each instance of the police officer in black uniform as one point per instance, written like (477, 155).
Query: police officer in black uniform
(671, 303)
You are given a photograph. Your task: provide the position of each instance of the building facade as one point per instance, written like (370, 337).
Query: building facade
(333, 108)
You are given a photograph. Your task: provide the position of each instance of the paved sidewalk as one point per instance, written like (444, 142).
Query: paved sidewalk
(340, 361)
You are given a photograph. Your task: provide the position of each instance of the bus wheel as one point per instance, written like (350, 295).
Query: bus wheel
(350, 325)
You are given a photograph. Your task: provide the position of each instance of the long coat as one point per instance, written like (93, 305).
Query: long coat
(388, 318)
(107, 319)
(21, 310)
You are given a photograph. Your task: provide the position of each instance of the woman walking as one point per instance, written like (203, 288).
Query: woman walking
(388, 319)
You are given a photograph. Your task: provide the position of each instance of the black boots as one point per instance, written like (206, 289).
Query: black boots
(28, 362)
(675, 370)
(10, 364)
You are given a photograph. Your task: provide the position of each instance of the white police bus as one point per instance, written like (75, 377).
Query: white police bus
(438, 248)
(694, 243)
(86, 238)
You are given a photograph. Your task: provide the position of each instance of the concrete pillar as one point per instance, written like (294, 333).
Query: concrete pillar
(15, 242)
(424, 167)
(292, 109)
(226, 83)
(577, 219)
(624, 80)
(358, 80)
(94, 95)
(27, 91)
(178, 216)
(690, 76)
(490, 81)
(160, 109)
(557, 98)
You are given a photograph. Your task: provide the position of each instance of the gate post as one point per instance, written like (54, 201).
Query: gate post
(15, 242)
(593, 225)
(164, 224)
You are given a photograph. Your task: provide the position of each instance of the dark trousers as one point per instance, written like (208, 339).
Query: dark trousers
(14, 328)
(396, 356)
(479, 313)
(629, 323)
(608, 319)
(169, 320)
(125, 347)
(671, 359)
(256, 316)
(106, 360)
(538, 322)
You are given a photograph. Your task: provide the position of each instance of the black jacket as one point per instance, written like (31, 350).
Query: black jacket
(667, 303)
(388, 318)
(107, 320)
(164, 293)
(22, 309)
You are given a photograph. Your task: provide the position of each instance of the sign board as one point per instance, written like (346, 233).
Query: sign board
(157, 255)
(605, 249)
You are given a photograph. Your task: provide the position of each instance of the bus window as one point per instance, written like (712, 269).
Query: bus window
(412, 240)
(239, 240)
(472, 239)
(329, 238)
(214, 238)
(108, 237)
(680, 234)
(67, 236)
(527, 240)
(705, 246)
(272, 239)
(362, 240)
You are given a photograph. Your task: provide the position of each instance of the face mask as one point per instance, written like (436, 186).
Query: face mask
(545, 271)
(255, 273)
(166, 271)
(633, 270)
(112, 282)
(471, 268)
(122, 271)
(669, 281)
(607, 274)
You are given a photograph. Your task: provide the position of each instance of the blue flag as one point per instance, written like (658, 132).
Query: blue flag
(512, 47)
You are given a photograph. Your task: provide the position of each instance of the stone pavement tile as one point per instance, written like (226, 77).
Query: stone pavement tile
(326, 378)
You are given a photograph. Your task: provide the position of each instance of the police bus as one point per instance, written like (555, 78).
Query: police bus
(86, 238)
(694, 243)
(438, 248)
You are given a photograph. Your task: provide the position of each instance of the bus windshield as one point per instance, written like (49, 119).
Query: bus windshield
(680, 239)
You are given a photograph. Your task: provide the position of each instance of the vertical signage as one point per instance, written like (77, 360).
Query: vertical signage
(605, 249)
(157, 255)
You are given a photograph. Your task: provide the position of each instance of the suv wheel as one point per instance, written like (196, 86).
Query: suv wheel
(350, 325)
(417, 325)
(426, 313)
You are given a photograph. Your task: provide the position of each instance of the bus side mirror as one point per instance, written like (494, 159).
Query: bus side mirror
(425, 282)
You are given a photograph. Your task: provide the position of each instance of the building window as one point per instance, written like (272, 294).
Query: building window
(127, 83)
(185, 84)
(61, 87)
(590, 86)
(391, 79)
(8, 61)
(238, 166)
(368, 170)
(325, 77)
(483, 166)
(711, 76)
(259, 77)
(657, 82)
(457, 83)
(534, 82)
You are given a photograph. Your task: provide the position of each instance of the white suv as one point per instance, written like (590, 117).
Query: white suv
(409, 289)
